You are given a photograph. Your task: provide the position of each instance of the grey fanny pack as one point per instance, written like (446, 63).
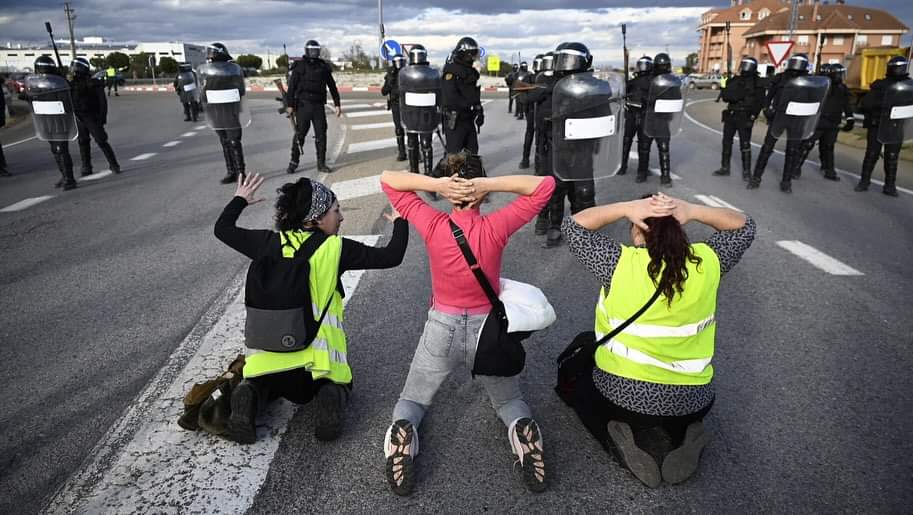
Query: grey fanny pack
(281, 330)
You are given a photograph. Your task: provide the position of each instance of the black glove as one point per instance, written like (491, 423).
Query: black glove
(769, 114)
(479, 115)
(849, 124)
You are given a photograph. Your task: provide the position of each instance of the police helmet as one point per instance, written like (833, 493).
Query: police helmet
(80, 66)
(466, 51)
(662, 63)
(217, 52)
(418, 55)
(524, 66)
(748, 66)
(398, 61)
(644, 65)
(548, 62)
(837, 72)
(44, 64)
(312, 49)
(797, 63)
(537, 63)
(572, 57)
(898, 66)
(516, 67)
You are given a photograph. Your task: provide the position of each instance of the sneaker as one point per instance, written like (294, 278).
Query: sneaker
(638, 461)
(400, 449)
(681, 463)
(526, 443)
(330, 403)
(242, 424)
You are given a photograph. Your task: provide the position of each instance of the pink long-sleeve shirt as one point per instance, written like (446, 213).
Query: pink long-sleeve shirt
(453, 285)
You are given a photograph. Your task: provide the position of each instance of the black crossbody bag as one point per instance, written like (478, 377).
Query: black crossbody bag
(499, 353)
(580, 356)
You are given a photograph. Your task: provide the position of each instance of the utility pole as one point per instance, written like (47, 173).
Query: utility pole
(793, 19)
(380, 26)
(71, 16)
(728, 52)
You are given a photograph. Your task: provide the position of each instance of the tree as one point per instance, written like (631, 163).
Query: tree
(139, 65)
(98, 63)
(168, 65)
(357, 56)
(282, 61)
(118, 60)
(690, 63)
(249, 61)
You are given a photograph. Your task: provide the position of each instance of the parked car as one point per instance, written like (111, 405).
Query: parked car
(16, 82)
(701, 81)
(101, 75)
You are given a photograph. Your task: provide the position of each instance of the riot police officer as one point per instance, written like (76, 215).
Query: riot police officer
(797, 66)
(527, 112)
(662, 65)
(638, 88)
(509, 80)
(872, 107)
(462, 104)
(3, 171)
(307, 96)
(48, 91)
(221, 75)
(420, 128)
(541, 99)
(90, 105)
(522, 75)
(744, 96)
(391, 90)
(835, 112)
(185, 87)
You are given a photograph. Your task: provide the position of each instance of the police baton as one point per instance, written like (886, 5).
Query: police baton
(47, 27)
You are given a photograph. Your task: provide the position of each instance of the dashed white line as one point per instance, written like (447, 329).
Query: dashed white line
(96, 176)
(357, 106)
(365, 114)
(707, 200)
(25, 204)
(172, 143)
(817, 258)
(13, 144)
(655, 171)
(188, 134)
(199, 127)
(369, 126)
(146, 461)
(365, 146)
(142, 157)
(355, 188)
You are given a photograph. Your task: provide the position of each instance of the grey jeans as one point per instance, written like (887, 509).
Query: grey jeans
(449, 341)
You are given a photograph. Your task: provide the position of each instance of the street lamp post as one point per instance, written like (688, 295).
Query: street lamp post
(152, 67)
(728, 52)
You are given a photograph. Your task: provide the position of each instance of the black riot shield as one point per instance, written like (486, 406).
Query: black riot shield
(52, 107)
(188, 89)
(419, 98)
(896, 124)
(587, 126)
(665, 107)
(798, 107)
(223, 89)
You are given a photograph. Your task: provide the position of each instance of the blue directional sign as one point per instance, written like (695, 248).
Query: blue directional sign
(389, 49)
(482, 52)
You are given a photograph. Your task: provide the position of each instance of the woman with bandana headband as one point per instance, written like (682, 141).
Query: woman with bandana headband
(320, 371)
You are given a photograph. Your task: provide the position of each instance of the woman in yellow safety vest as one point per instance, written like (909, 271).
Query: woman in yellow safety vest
(656, 371)
(321, 370)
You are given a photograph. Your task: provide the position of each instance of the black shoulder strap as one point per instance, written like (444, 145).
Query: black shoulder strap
(473, 263)
(310, 246)
(627, 322)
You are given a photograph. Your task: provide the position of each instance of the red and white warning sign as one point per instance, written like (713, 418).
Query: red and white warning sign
(778, 50)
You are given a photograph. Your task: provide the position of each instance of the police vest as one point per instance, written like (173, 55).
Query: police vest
(666, 345)
(325, 357)
(111, 72)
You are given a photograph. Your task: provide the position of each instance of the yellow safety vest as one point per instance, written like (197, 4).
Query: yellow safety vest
(111, 72)
(666, 345)
(325, 357)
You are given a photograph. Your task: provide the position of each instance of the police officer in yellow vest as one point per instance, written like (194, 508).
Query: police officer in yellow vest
(655, 372)
(111, 80)
(321, 370)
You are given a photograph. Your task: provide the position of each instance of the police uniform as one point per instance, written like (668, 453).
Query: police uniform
(744, 96)
(91, 107)
(462, 107)
(307, 95)
(638, 90)
(871, 108)
(390, 89)
(835, 112)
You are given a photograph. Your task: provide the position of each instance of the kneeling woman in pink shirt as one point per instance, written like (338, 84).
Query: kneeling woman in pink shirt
(459, 305)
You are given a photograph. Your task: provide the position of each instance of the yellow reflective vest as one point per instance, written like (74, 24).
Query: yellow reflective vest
(325, 357)
(667, 345)
(111, 72)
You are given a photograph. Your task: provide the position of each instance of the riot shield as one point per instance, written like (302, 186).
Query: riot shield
(223, 89)
(587, 126)
(52, 107)
(419, 98)
(798, 107)
(188, 89)
(896, 124)
(665, 107)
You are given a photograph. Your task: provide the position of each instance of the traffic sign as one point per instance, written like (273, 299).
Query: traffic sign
(778, 50)
(389, 49)
(481, 52)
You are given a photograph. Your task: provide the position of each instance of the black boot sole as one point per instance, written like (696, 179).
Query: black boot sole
(242, 426)
(330, 402)
(638, 461)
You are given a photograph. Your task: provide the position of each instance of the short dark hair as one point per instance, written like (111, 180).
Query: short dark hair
(293, 204)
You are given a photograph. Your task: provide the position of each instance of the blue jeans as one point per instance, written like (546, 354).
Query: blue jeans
(449, 341)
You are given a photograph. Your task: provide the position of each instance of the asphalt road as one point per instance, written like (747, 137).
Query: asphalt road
(102, 284)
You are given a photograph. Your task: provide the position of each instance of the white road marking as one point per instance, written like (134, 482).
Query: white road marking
(707, 200)
(360, 88)
(364, 114)
(365, 146)
(199, 127)
(13, 144)
(809, 161)
(358, 106)
(379, 104)
(188, 134)
(355, 188)
(172, 143)
(96, 176)
(655, 171)
(147, 463)
(142, 157)
(817, 258)
(369, 126)
(723, 203)
(337, 148)
(25, 204)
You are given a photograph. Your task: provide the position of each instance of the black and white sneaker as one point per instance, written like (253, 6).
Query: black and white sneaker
(526, 442)
(400, 449)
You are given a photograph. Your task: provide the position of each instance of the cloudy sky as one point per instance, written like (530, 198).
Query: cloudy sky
(504, 27)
